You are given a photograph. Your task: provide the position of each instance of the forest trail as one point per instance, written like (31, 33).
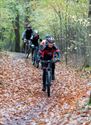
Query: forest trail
(22, 101)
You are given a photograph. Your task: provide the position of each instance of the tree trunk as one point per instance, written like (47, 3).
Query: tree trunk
(90, 99)
(27, 12)
(66, 35)
(17, 34)
(89, 36)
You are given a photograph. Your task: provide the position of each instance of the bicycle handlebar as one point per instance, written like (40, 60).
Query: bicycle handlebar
(50, 61)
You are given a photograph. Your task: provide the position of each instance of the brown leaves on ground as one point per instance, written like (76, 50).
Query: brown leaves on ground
(23, 103)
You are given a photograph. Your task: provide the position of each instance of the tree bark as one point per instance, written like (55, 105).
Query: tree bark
(27, 11)
(17, 34)
(89, 36)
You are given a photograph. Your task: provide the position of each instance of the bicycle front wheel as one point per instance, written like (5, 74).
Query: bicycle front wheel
(48, 83)
(48, 90)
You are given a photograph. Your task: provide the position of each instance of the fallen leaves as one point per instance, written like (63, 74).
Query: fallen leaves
(23, 103)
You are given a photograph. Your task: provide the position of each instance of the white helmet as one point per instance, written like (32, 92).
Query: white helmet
(36, 31)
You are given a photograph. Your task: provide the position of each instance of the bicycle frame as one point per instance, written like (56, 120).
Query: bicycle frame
(48, 75)
(27, 47)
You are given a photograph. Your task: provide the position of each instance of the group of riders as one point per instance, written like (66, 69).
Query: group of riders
(47, 49)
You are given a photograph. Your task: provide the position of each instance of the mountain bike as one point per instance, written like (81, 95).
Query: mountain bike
(27, 48)
(48, 70)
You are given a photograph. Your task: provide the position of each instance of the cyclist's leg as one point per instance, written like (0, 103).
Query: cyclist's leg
(44, 80)
(53, 71)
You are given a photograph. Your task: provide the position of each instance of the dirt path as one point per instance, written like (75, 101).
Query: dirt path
(23, 103)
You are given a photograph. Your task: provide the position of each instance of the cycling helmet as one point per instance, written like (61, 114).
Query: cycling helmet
(47, 36)
(28, 26)
(36, 31)
(50, 40)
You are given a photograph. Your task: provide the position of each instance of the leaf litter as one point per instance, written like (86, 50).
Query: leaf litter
(22, 101)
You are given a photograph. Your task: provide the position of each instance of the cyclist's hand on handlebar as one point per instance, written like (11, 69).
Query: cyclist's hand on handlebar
(32, 46)
(25, 40)
(56, 60)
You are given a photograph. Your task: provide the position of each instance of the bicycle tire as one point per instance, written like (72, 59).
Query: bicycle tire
(27, 51)
(48, 83)
(48, 90)
(33, 58)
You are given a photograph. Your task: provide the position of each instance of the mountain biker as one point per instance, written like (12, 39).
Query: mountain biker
(34, 40)
(43, 43)
(26, 35)
(47, 53)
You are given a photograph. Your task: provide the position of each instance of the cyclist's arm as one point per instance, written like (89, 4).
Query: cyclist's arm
(57, 54)
(41, 54)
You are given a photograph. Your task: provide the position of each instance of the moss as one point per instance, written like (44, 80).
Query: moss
(88, 68)
(90, 99)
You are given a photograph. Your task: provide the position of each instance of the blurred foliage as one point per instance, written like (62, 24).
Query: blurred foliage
(47, 16)
(66, 20)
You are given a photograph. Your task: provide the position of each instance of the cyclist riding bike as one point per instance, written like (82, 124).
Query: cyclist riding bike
(26, 35)
(47, 53)
(34, 40)
(43, 43)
